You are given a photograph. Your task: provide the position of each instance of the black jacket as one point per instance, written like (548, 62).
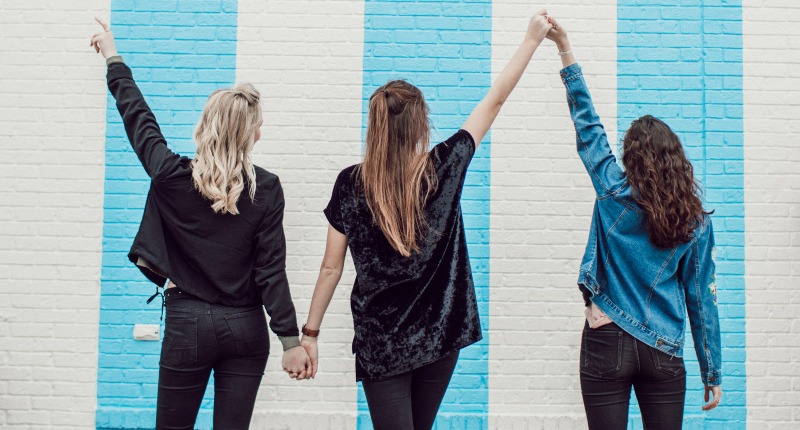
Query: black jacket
(233, 260)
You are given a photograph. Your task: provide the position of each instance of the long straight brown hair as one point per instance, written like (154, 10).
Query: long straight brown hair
(663, 182)
(397, 174)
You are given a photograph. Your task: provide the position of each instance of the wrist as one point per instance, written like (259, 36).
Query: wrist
(307, 332)
(563, 45)
(289, 342)
(113, 59)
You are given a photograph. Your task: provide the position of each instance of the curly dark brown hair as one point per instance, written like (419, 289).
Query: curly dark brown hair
(663, 182)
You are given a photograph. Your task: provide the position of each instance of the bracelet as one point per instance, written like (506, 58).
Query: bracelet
(309, 332)
(563, 53)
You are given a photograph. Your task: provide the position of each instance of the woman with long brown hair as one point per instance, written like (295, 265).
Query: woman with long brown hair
(399, 212)
(213, 227)
(648, 263)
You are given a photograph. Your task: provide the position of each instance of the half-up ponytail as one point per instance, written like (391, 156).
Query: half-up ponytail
(397, 174)
(225, 138)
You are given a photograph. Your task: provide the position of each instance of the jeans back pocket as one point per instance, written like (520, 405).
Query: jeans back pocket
(601, 351)
(671, 365)
(249, 328)
(179, 348)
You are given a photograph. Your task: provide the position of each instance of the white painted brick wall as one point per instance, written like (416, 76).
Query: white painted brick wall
(541, 208)
(772, 208)
(306, 59)
(52, 134)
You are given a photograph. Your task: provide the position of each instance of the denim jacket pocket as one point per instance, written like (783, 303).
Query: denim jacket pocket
(179, 348)
(249, 328)
(602, 351)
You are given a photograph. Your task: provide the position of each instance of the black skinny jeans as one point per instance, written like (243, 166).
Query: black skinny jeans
(199, 337)
(611, 362)
(410, 400)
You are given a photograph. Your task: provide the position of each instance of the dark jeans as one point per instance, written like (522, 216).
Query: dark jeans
(611, 362)
(199, 337)
(410, 400)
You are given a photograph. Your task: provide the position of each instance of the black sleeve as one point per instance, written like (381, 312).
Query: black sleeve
(334, 209)
(140, 123)
(270, 266)
(452, 157)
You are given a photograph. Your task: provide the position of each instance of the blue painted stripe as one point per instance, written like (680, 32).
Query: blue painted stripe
(682, 62)
(180, 51)
(444, 48)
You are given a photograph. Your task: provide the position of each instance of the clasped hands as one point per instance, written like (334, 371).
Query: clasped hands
(301, 361)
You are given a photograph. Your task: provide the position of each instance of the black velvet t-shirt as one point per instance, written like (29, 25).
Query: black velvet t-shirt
(410, 311)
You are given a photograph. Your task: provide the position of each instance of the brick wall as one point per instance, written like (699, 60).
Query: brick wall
(306, 59)
(315, 62)
(52, 120)
(772, 205)
(541, 209)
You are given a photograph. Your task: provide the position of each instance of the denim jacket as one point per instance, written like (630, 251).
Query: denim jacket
(645, 290)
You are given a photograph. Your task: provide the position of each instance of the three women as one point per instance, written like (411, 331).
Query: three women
(649, 255)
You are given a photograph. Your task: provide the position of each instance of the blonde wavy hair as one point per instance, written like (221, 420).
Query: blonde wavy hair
(225, 135)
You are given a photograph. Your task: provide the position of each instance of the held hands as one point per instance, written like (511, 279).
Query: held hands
(103, 42)
(538, 27)
(296, 363)
(310, 345)
(558, 34)
(717, 392)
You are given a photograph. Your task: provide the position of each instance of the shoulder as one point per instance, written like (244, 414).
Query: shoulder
(348, 175)
(460, 139)
(705, 228)
(462, 136)
(266, 181)
(458, 149)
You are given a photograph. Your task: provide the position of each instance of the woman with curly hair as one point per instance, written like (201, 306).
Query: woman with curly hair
(648, 261)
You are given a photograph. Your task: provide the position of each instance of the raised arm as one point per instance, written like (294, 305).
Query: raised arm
(592, 141)
(140, 123)
(482, 117)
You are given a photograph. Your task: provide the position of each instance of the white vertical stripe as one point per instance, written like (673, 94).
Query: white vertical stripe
(52, 117)
(541, 210)
(772, 211)
(306, 58)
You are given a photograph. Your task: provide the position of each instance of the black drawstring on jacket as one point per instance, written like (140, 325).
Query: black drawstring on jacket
(163, 301)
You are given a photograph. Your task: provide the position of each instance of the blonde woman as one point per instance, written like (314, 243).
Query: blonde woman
(213, 226)
(399, 212)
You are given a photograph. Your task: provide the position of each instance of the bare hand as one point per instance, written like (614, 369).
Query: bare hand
(538, 26)
(310, 345)
(296, 363)
(103, 42)
(558, 33)
(717, 391)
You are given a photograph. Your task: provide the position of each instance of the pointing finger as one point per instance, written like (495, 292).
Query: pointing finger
(103, 24)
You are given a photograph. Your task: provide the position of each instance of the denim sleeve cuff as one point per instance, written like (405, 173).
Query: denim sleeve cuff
(289, 342)
(712, 378)
(573, 71)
